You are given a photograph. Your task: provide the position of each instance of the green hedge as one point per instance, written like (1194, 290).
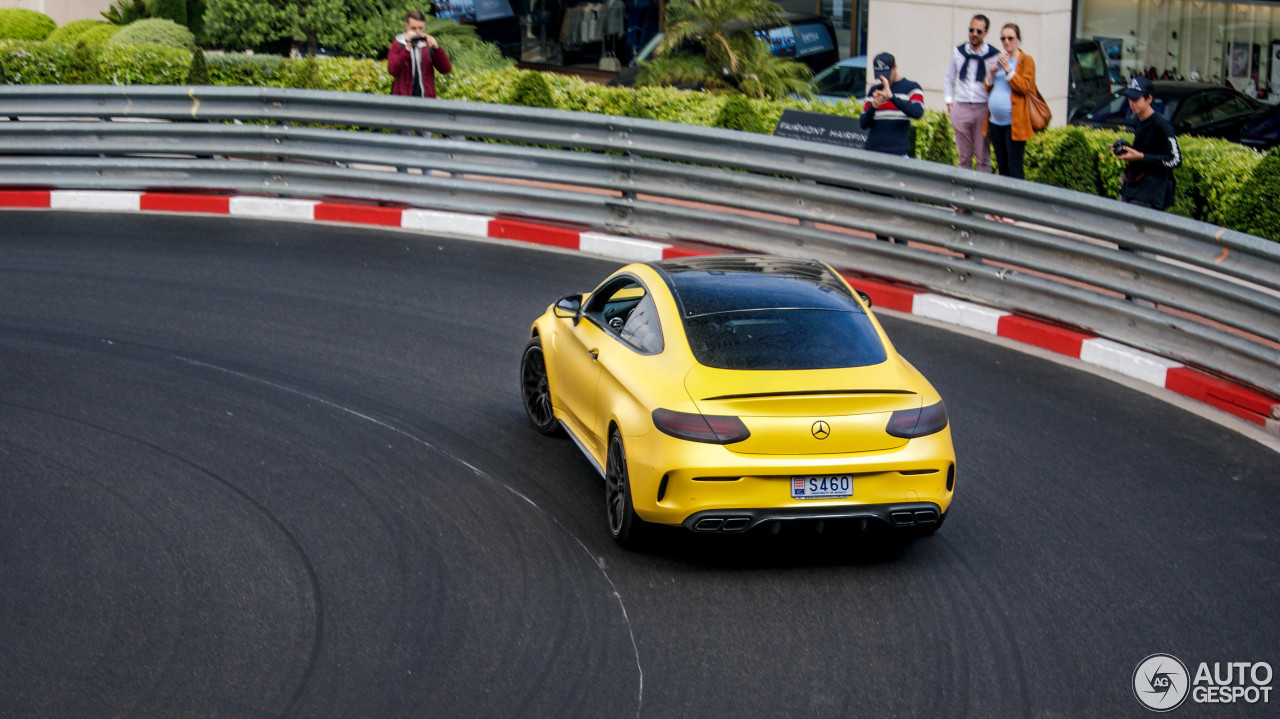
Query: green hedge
(235, 69)
(56, 63)
(1219, 182)
(1258, 206)
(73, 31)
(21, 24)
(155, 31)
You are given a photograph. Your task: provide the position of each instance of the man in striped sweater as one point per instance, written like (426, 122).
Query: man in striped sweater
(892, 103)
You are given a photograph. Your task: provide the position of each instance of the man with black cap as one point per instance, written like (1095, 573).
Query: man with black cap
(1148, 178)
(892, 103)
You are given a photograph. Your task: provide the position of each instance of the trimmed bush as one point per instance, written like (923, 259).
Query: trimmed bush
(72, 31)
(1073, 165)
(22, 24)
(934, 138)
(236, 69)
(100, 34)
(301, 73)
(1212, 175)
(737, 112)
(198, 72)
(56, 63)
(533, 90)
(493, 86)
(1256, 209)
(84, 67)
(335, 73)
(166, 33)
(145, 64)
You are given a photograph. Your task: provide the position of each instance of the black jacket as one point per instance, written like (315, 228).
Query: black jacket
(1149, 181)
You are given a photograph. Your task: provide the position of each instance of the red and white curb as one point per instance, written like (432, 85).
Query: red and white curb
(1227, 396)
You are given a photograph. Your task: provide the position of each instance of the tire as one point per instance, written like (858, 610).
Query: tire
(625, 526)
(536, 391)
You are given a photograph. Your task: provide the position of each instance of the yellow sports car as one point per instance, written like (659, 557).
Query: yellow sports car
(727, 392)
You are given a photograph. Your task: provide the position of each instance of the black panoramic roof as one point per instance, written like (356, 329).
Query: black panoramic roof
(735, 283)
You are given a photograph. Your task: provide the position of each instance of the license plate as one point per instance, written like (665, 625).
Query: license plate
(822, 486)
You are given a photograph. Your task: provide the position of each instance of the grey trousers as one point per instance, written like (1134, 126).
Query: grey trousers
(968, 118)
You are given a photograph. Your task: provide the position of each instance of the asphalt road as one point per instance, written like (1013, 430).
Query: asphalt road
(261, 469)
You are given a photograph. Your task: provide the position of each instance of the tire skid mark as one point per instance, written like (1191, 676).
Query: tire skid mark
(168, 548)
(981, 602)
(318, 624)
(597, 562)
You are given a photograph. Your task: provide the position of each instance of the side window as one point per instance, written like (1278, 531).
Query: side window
(1230, 107)
(1195, 111)
(1092, 63)
(843, 81)
(642, 329)
(624, 308)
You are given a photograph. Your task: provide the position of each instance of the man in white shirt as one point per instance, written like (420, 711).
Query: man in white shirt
(965, 92)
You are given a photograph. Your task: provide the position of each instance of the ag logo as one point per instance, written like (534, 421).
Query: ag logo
(821, 429)
(1160, 682)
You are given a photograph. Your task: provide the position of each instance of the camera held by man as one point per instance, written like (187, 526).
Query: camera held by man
(415, 58)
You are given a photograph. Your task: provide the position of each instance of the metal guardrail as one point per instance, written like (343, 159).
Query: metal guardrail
(1217, 291)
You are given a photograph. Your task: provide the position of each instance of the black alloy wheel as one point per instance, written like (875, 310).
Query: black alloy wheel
(536, 391)
(624, 525)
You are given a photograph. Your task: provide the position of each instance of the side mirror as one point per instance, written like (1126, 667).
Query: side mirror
(569, 306)
(865, 297)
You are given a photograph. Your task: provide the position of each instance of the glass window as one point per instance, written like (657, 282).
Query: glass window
(842, 81)
(624, 308)
(642, 329)
(1225, 107)
(1091, 63)
(1268, 128)
(1218, 42)
(784, 339)
(1195, 112)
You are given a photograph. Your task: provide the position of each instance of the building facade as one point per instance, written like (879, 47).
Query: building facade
(1236, 43)
(62, 11)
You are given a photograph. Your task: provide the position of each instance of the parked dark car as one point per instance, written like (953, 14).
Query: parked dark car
(1264, 133)
(845, 80)
(1089, 80)
(810, 39)
(1194, 108)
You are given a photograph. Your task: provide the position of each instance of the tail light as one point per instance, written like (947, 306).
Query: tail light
(908, 423)
(699, 427)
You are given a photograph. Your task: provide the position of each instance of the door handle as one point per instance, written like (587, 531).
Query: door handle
(595, 353)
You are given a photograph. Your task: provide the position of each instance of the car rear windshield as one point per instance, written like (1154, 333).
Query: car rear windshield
(784, 339)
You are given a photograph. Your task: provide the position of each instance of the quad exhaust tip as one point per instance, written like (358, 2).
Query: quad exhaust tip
(920, 516)
(723, 524)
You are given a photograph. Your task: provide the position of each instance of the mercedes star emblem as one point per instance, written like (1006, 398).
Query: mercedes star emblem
(821, 429)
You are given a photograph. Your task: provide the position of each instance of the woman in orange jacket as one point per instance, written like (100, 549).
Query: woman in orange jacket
(1013, 78)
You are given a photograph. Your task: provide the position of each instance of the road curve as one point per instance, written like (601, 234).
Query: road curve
(252, 468)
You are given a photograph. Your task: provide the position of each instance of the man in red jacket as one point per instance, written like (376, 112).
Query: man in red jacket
(414, 59)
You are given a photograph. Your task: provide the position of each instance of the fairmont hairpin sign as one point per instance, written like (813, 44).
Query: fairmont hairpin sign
(817, 127)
